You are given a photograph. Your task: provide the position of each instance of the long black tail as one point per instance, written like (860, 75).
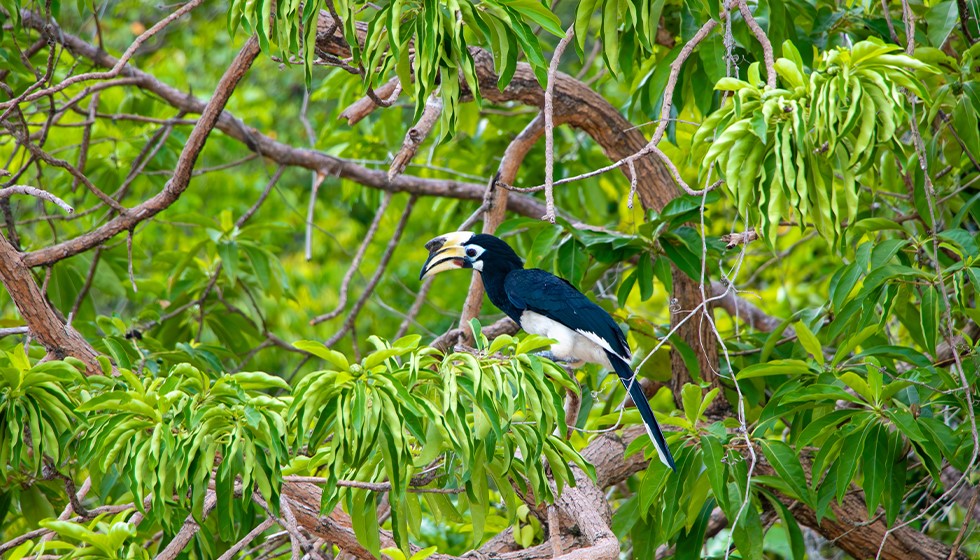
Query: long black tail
(640, 400)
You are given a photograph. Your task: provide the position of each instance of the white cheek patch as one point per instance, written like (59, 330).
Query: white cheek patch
(477, 252)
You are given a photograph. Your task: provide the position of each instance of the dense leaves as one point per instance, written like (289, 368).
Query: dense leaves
(848, 373)
(802, 147)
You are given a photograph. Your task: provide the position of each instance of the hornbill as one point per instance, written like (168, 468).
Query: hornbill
(542, 303)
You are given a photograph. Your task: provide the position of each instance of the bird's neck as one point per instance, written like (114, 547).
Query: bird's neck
(493, 283)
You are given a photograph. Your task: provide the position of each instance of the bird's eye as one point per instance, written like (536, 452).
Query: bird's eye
(471, 252)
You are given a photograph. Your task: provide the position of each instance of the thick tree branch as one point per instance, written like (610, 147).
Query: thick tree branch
(44, 323)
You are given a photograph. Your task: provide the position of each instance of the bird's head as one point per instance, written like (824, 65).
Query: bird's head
(463, 249)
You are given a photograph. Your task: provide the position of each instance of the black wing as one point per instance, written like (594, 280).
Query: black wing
(543, 292)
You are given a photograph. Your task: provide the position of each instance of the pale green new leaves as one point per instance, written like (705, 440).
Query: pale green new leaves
(426, 43)
(165, 433)
(405, 408)
(800, 149)
(36, 410)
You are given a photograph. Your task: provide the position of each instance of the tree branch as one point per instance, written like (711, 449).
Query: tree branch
(283, 154)
(416, 136)
(181, 176)
(7, 192)
(187, 531)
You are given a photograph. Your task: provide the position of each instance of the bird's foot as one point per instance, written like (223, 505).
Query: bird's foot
(548, 354)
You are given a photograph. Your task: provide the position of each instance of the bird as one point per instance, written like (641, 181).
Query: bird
(545, 304)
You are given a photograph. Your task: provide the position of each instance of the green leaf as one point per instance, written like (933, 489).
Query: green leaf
(841, 286)
(793, 532)
(816, 428)
(874, 467)
(583, 16)
(644, 273)
(229, 257)
(35, 505)
(378, 357)
(809, 341)
(852, 342)
(623, 293)
(965, 123)
(895, 475)
(364, 519)
(860, 386)
(929, 317)
(257, 380)
(848, 461)
(787, 465)
(714, 464)
(539, 14)
(677, 250)
(691, 399)
(543, 248)
(941, 18)
(611, 18)
(732, 84)
(319, 350)
(775, 367)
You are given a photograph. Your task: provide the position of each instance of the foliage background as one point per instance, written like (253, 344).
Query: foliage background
(864, 373)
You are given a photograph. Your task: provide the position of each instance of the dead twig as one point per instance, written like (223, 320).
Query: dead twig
(7, 192)
(549, 126)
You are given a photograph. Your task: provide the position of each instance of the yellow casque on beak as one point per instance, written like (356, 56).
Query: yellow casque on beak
(446, 252)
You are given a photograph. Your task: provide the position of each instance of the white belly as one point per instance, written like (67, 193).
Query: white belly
(570, 346)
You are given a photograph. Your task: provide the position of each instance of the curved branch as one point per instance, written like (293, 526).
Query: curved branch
(61, 340)
(234, 127)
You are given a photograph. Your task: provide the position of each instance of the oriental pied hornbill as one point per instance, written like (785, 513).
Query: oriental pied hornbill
(542, 303)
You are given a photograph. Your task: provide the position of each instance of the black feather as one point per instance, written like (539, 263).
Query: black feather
(514, 290)
(544, 293)
(640, 400)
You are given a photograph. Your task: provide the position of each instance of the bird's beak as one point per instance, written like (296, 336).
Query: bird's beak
(446, 252)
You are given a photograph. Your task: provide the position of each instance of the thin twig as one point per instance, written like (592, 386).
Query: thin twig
(11, 331)
(373, 282)
(763, 39)
(265, 193)
(7, 192)
(356, 262)
(129, 255)
(549, 126)
(115, 70)
(89, 278)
